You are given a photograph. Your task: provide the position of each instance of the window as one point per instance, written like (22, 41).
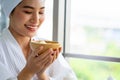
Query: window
(92, 39)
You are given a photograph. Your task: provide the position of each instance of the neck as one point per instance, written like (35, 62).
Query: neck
(23, 41)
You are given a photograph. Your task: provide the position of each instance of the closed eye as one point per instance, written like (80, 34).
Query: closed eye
(27, 12)
(41, 12)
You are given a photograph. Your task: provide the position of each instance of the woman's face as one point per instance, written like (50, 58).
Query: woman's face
(27, 18)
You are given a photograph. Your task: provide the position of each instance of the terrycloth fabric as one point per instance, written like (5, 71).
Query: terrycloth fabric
(12, 61)
(8, 6)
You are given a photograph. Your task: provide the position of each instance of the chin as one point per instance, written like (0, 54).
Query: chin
(31, 35)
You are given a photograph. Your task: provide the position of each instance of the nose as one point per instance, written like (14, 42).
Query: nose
(35, 19)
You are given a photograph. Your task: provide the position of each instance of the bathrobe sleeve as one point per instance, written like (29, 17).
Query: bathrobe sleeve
(5, 73)
(61, 70)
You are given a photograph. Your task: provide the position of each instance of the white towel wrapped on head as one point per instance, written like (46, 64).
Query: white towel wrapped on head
(8, 5)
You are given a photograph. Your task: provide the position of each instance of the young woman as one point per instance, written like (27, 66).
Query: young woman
(17, 60)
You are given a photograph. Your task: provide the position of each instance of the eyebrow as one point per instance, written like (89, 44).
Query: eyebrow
(32, 7)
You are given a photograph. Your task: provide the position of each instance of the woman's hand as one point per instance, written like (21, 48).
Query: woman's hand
(41, 75)
(37, 64)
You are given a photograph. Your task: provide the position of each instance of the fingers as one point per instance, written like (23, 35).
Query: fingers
(55, 54)
(57, 51)
(36, 52)
(60, 49)
(45, 59)
(46, 62)
(49, 55)
(41, 62)
(45, 56)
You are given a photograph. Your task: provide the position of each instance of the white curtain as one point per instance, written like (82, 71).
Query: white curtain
(3, 20)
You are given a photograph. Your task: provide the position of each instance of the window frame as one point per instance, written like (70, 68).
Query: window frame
(61, 33)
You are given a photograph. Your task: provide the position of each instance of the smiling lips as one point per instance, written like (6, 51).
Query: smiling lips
(32, 27)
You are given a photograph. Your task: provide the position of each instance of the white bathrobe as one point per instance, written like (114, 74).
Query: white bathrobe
(12, 61)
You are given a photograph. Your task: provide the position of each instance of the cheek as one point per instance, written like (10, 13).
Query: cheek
(42, 19)
(21, 18)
